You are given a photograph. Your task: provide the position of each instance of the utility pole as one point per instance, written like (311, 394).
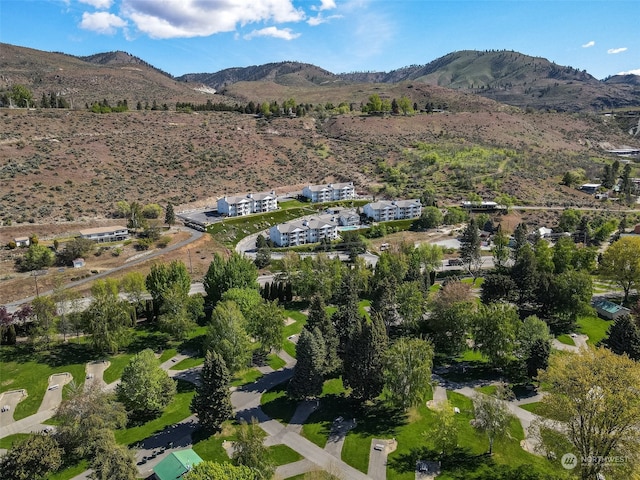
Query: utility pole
(190, 265)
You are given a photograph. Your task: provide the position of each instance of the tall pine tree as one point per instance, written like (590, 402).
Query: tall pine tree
(212, 401)
(307, 377)
(364, 357)
(319, 319)
(624, 337)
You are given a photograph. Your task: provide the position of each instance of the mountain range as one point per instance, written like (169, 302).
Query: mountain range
(507, 77)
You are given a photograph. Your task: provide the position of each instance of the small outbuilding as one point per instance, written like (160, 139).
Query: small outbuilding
(610, 310)
(176, 465)
(22, 241)
(78, 263)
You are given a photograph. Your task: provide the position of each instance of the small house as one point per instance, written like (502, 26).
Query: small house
(176, 465)
(22, 241)
(78, 263)
(610, 310)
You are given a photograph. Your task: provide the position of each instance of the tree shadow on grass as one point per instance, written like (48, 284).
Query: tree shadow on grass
(69, 354)
(460, 461)
(156, 341)
(378, 418)
(279, 406)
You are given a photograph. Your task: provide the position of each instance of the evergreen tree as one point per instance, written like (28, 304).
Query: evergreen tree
(169, 215)
(500, 247)
(385, 303)
(345, 321)
(212, 401)
(319, 319)
(470, 247)
(364, 358)
(307, 377)
(519, 239)
(538, 357)
(624, 337)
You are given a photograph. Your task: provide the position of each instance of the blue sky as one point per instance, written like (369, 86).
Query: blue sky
(189, 36)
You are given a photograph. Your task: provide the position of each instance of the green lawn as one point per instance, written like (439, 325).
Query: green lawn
(281, 455)
(534, 407)
(293, 312)
(275, 361)
(7, 442)
(22, 368)
(333, 404)
(175, 412)
(116, 367)
(594, 327)
(249, 375)
(566, 339)
(167, 354)
(188, 363)
(277, 405)
(412, 433)
(70, 472)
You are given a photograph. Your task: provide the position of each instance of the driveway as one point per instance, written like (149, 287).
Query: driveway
(53, 395)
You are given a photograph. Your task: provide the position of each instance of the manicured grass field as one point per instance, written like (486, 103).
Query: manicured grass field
(249, 375)
(412, 433)
(594, 327)
(188, 363)
(293, 312)
(275, 361)
(277, 405)
(7, 442)
(24, 368)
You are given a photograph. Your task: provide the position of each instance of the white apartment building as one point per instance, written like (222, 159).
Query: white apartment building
(395, 210)
(237, 206)
(301, 232)
(330, 192)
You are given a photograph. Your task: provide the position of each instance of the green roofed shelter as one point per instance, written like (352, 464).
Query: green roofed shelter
(610, 310)
(176, 465)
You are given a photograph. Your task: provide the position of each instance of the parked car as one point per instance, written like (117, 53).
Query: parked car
(455, 262)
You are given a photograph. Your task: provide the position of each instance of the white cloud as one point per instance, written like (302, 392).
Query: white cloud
(284, 33)
(320, 19)
(617, 50)
(102, 22)
(589, 44)
(104, 4)
(325, 5)
(201, 18)
(630, 72)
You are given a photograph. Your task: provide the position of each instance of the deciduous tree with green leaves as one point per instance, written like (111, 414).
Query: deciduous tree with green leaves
(208, 470)
(407, 371)
(227, 335)
(621, 264)
(145, 389)
(595, 395)
(32, 458)
(249, 450)
(491, 415)
(107, 319)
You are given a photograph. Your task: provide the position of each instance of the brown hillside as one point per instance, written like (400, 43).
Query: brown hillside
(74, 165)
